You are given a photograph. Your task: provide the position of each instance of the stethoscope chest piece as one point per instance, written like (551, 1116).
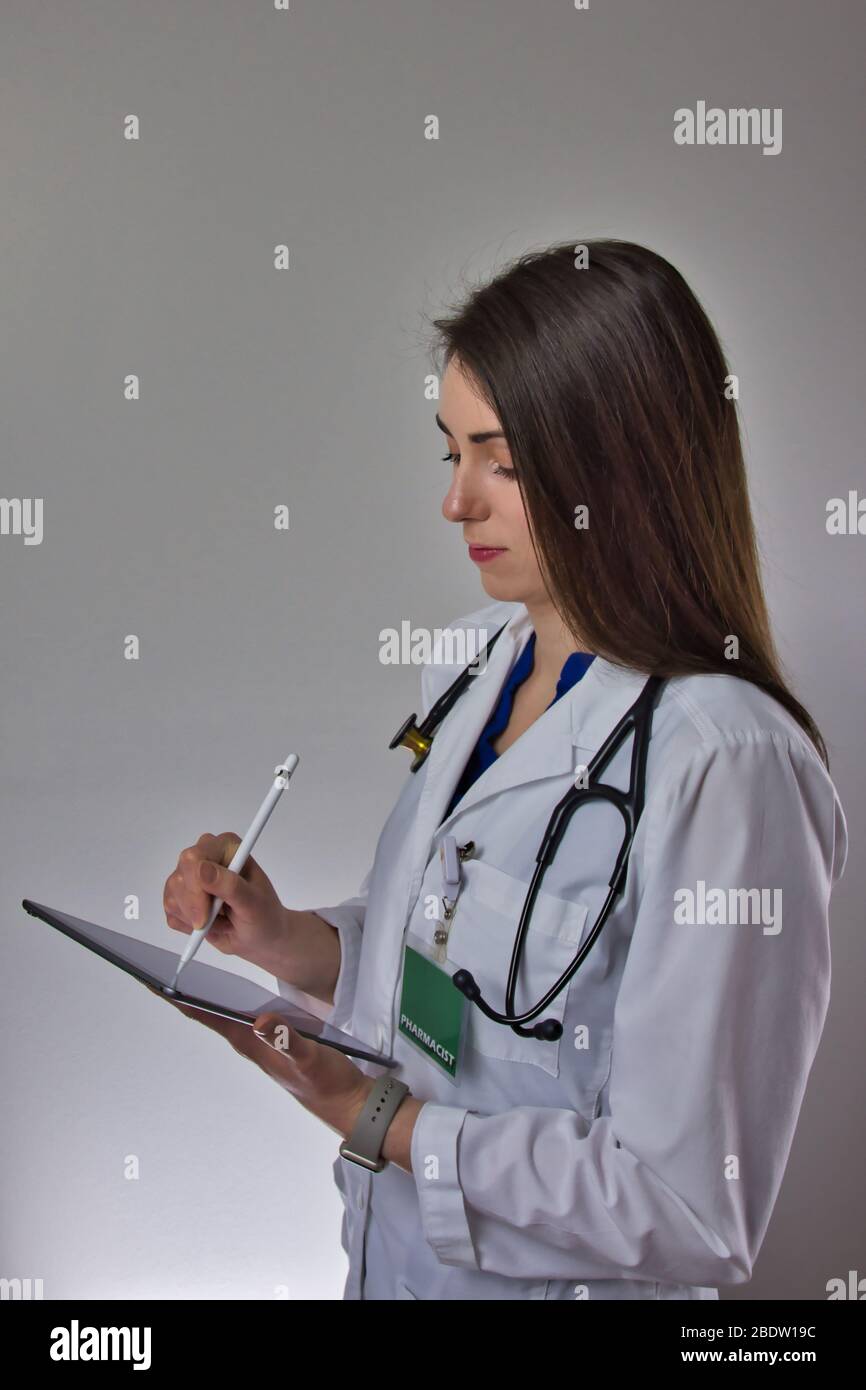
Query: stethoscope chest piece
(410, 736)
(418, 738)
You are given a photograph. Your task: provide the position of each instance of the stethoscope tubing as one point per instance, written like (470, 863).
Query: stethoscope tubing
(637, 720)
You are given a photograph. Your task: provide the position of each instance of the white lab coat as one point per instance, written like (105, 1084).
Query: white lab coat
(639, 1156)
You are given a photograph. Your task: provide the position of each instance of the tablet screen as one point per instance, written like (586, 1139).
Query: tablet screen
(207, 987)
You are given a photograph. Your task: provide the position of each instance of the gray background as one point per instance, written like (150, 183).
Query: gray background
(306, 387)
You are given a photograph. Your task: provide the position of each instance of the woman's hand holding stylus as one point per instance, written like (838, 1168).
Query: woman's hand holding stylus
(252, 917)
(297, 947)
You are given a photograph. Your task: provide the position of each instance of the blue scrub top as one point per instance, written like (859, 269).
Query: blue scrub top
(483, 755)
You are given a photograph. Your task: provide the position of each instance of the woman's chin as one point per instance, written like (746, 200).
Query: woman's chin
(500, 588)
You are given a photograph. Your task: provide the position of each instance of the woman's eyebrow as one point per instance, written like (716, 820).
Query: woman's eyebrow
(480, 438)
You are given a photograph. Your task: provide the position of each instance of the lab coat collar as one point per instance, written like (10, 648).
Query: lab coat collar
(563, 737)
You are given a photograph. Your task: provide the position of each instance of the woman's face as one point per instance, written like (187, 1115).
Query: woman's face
(484, 495)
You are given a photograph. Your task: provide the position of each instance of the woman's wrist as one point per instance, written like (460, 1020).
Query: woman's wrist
(304, 952)
(397, 1144)
(277, 952)
(397, 1147)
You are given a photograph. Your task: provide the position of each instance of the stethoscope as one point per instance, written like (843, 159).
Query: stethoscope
(637, 720)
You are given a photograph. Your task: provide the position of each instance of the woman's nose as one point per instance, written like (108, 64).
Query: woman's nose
(460, 504)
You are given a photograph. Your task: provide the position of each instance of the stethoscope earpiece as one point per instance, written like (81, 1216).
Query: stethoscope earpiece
(548, 1031)
(466, 985)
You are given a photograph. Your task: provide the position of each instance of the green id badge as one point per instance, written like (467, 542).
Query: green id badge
(432, 1009)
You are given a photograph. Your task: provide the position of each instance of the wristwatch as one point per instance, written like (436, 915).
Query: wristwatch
(364, 1144)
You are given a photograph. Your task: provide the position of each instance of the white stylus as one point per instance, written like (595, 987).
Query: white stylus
(242, 854)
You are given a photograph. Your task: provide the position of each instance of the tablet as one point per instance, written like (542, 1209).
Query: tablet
(202, 986)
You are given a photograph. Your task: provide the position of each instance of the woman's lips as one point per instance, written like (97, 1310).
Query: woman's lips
(482, 553)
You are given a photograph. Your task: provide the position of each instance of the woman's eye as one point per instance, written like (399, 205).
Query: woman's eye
(497, 467)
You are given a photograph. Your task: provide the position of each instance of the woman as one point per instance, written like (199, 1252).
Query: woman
(636, 1149)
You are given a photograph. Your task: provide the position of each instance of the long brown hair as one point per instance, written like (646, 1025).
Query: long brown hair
(610, 385)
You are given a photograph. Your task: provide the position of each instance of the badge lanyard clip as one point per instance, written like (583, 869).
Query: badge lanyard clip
(450, 857)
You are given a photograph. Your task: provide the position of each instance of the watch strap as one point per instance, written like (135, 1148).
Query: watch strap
(364, 1144)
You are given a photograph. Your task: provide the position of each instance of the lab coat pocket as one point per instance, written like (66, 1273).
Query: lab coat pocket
(481, 941)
